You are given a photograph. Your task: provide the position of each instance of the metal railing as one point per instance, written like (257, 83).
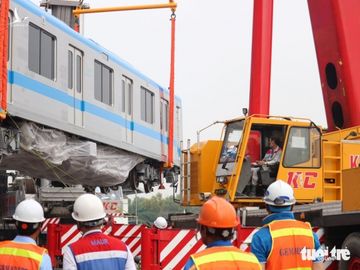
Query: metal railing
(185, 172)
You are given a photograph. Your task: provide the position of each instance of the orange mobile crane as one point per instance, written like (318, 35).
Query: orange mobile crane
(322, 167)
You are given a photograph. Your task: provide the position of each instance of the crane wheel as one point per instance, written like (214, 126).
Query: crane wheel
(352, 243)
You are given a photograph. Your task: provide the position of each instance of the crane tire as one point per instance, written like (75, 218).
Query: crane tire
(352, 243)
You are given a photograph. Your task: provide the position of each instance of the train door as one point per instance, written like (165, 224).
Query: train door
(164, 125)
(127, 108)
(75, 85)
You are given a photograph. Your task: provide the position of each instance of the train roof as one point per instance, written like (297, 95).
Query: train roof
(31, 7)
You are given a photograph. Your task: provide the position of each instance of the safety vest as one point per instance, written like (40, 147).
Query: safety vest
(20, 256)
(97, 251)
(225, 257)
(289, 237)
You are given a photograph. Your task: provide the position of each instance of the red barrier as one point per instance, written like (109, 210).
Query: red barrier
(169, 248)
(53, 243)
(159, 249)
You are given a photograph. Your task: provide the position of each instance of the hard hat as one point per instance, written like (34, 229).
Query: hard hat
(88, 207)
(160, 223)
(279, 193)
(29, 211)
(218, 213)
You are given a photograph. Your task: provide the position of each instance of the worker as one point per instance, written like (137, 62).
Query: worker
(22, 253)
(272, 157)
(278, 244)
(160, 223)
(95, 250)
(217, 220)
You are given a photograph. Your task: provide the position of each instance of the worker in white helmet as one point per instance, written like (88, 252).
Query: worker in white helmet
(95, 250)
(22, 252)
(278, 244)
(160, 223)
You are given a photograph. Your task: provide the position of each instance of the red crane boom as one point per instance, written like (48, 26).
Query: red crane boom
(336, 31)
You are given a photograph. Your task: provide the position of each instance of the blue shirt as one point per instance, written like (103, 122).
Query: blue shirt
(261, 242)
(219, 243)
(45, 262)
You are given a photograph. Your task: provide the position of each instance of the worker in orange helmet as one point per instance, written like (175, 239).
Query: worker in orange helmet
(280, 242)
(217, 220)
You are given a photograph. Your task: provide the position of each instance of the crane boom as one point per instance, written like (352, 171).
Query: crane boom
(336, 31)
(259, 100)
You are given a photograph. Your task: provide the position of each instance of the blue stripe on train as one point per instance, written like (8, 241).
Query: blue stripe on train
(58, 95)
(31, 7)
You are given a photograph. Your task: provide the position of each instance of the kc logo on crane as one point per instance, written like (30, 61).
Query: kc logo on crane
(302, 179)
(354, 161)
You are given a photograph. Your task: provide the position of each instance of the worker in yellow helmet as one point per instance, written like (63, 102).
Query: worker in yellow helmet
(217, 220)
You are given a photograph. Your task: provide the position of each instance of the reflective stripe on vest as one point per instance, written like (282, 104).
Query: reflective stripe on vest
(225, 258)
(97, 251)
(289, 237)
(21, 256)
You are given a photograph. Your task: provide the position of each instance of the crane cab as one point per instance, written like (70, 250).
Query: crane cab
(311, 161)
(295, 142)
(227, 167)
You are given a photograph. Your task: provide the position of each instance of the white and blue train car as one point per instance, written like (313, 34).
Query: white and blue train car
(61, 80)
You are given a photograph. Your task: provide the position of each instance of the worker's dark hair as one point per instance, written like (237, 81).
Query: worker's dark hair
(221, 233)
(276, 140)
(278, 209)
(92, 223)
(26, 229)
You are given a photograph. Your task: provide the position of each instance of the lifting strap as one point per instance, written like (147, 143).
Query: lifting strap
(171, 92)
(4, 26)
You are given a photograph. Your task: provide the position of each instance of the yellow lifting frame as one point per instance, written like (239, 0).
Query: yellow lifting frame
(171, 5)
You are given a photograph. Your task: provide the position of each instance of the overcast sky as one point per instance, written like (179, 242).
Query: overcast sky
(213, 56)
(213, 53)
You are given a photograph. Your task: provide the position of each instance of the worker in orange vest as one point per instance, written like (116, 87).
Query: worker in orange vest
(280, 242)
(217, 220)
(22, 253)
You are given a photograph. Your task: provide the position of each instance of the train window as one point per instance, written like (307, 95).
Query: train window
(123, 86)
(147, 105)
(130, 97)
(41, 52)
(126, 95)
(97, 83)
(78, 73)
(178, 123)
(103, 83)
(164, 114)
(34, 48)
(70, 69)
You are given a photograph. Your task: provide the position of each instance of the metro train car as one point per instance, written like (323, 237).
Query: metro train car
(67, 94)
